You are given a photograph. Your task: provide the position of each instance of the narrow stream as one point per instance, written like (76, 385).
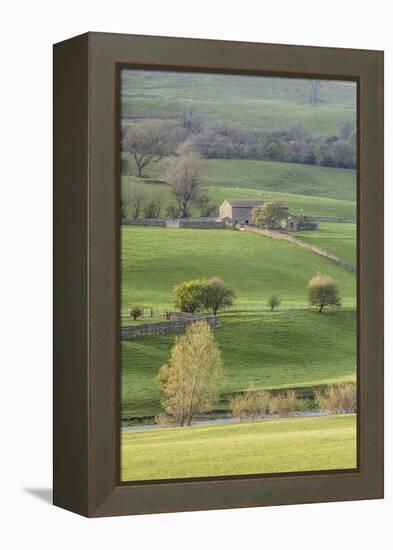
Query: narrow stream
(220, 421)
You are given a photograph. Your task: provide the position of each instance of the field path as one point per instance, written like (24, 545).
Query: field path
(303, 244)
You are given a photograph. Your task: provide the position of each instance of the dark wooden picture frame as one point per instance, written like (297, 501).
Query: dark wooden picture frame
(86, 274)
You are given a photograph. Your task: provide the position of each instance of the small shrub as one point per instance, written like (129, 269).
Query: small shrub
(340, 398)
(274, 301)
(135, 312)
(285, 403)
(250, 405)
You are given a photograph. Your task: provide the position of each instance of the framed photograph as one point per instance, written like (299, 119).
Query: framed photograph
(218, 274)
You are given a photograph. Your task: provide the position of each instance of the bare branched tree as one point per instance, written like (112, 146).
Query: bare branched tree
(183, 174)
(133, 198)
(146, 142)
(192, 120)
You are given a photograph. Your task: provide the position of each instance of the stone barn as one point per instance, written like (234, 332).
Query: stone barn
(240, 210)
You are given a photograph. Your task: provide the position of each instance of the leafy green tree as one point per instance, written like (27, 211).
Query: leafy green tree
(216, 295)
(268, 215)
(274, 301)
(323, 291)
(135, 312)
(188, 296)
(190, 380)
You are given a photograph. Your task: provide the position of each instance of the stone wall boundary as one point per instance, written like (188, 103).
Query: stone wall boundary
(191, 223)
(177, 322)
(289, 238)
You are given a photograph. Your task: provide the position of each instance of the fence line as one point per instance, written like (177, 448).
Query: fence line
(154, 313)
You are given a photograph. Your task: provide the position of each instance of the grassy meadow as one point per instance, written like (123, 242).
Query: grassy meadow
(289, 348)
(297, 204)
(271, 177)
(294, 347)
(269, 446)
(338, 238)
(155, 259)
(283, 349)
(249, 102)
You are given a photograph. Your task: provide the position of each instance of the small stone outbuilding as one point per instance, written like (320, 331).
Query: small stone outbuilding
(299, 223)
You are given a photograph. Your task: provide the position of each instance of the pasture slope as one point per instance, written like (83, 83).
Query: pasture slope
(290, 348)
(263, 175)
(263, 447)
(154, 260)
(284, 349)
(238, 101)
(338, 238)
(314, 190)
(294, 347)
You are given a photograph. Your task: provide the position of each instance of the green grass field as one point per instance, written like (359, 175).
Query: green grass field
(294, 347)
(297, 204)
(156, 259)
(270, 446)
(239, 101)
(310, 190)
(284, 349)
(289, 348)
(281, 177)
(338, 238)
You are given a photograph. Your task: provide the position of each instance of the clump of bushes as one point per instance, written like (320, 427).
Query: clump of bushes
(340, 398)
(135, 312)
(250, 405)
(257, 404)
(286, 403)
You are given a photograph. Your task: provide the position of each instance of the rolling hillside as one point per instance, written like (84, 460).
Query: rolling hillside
(286, 349)
(155, 259)
(239, 101)
(282, 177)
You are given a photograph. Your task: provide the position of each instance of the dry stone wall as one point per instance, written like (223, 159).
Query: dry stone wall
(177, 322)
(192, 223)
(298, 242)
(335, 220)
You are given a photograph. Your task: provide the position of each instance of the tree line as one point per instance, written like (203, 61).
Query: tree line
(183, 175)
(148, 141)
